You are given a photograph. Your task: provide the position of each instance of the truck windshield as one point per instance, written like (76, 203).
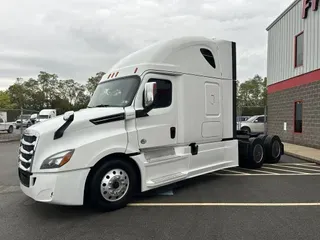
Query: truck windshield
(115, 93)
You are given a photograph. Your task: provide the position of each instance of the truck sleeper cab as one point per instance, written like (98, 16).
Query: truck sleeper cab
(163, 114)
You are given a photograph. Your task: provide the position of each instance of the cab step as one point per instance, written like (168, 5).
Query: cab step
(167, 179)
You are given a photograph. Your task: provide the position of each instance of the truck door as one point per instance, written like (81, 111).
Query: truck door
(159, 127)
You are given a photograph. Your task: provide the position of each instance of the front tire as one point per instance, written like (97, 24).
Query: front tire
(10, 130)
(112, 186)
(247, 130)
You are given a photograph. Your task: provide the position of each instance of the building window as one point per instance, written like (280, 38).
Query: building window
(298, 51)
(164, 93)
(298, 117)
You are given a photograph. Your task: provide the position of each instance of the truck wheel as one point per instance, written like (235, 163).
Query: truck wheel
(246, 130)
(256, 153)
(273, 149)
(10, 130)
(262, 137)
(112, 185)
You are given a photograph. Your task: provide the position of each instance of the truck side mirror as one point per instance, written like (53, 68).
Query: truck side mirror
(150, 90)
(68, 116)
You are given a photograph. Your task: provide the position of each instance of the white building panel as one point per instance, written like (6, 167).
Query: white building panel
(281, 43)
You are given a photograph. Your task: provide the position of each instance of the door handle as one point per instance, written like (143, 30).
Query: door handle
(172, 132)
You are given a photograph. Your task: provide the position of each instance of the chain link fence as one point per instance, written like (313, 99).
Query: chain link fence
(252, 119)
(13, 122)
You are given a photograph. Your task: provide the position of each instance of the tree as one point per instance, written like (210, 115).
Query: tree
(48, 91)
(5, 102)
(251, 96)
(82, 101)
(16, 93)
(93, 82)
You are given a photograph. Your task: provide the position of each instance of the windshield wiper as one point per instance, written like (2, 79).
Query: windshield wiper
(100, 105)
(103, 105)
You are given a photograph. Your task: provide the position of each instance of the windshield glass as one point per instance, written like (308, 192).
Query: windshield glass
(43, 116)
(115, 93)
(251, 119)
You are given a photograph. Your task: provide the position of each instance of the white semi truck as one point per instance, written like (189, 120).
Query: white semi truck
(163, 114)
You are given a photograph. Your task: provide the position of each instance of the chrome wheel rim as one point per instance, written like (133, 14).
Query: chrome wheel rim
(275, 149)
(114, 185)
(258, 153)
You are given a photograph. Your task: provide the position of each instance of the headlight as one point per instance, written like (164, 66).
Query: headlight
(57, 160)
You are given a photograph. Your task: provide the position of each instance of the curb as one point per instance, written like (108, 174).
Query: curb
(307, 159)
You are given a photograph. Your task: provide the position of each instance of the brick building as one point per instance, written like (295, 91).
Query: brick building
(294, 74)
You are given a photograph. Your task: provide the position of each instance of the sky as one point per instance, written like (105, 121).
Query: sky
(77, 38)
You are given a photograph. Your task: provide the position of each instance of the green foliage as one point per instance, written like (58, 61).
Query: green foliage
(48, 91)
(5, 101)
(252, 96)
(93, 82)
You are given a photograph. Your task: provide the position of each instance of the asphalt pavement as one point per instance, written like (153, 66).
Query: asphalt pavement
(4, 136)
(277, 202)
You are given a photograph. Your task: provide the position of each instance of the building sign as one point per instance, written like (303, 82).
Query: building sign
(307, 4)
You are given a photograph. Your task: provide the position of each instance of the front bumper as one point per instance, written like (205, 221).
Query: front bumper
(64, 188)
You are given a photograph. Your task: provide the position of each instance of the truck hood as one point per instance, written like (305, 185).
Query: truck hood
(81, 120)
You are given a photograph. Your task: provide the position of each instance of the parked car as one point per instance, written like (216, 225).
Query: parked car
(6, 126)
(242, 118)
(22, 121)
(253, 124)
(32, 119)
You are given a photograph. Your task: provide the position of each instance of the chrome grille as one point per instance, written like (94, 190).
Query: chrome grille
(26, 151)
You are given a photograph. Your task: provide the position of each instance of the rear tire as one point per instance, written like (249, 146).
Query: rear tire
(112, 185)
(255, 154)
(262, 137)
(272, 145)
